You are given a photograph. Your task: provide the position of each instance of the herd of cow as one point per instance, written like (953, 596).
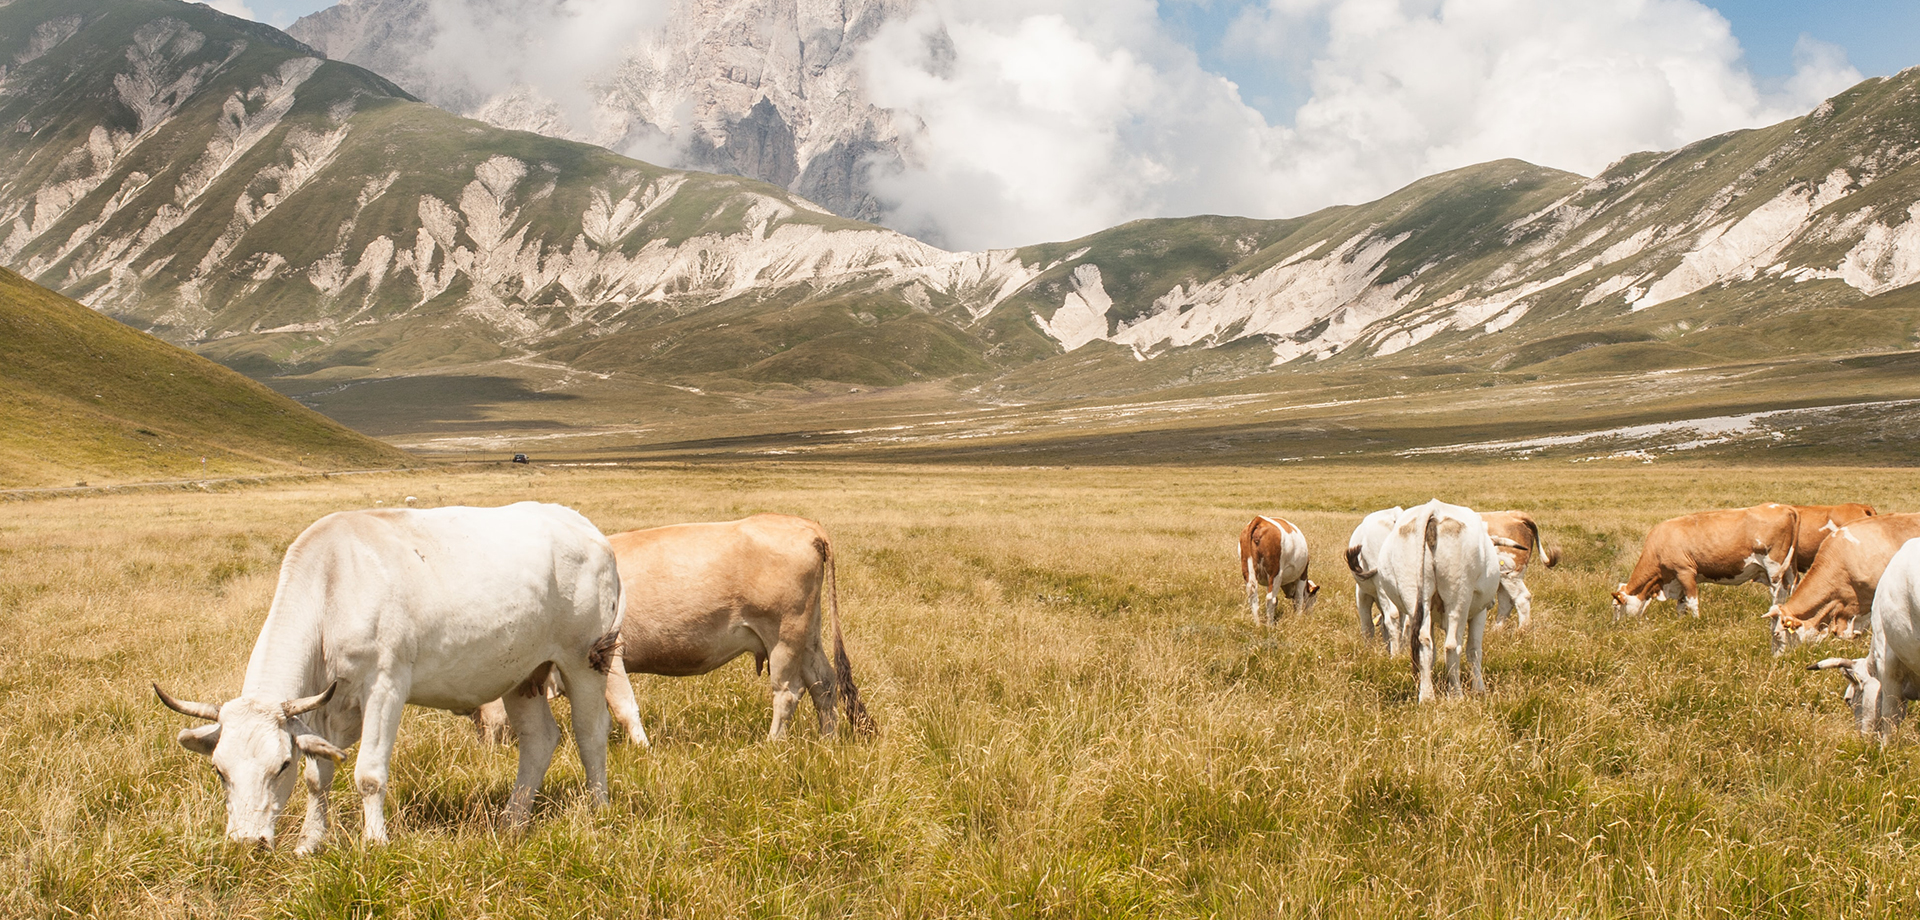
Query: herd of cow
(490, 611)
(1432, 573)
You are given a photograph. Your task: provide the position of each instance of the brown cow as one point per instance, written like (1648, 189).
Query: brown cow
(1523, 535)
(1816, 521)
(1729, 547)
(1273, 555)
(701, 595)
(1839, 588)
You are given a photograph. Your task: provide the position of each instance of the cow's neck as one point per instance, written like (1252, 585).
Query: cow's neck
(287, 660)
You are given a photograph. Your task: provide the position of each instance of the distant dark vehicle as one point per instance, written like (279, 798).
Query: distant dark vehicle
(521, 458)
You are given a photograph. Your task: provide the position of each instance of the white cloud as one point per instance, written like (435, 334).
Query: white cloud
(234, 8)
(557, 48)
(1030, 123)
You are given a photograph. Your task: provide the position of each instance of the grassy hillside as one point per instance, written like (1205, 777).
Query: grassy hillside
(88, 399)
(1078, 719)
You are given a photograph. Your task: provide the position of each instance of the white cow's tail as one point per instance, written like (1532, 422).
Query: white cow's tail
(1358, 566)
(600, 658)
(849, 694)
(1423, 602)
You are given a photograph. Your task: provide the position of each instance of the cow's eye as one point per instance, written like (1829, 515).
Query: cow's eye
(283, 766)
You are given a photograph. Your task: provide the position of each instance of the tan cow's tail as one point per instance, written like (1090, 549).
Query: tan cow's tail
(857, 714)
(1547, 557)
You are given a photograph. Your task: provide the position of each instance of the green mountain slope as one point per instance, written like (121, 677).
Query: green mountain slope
(219, 183)
(310, 224)
(88, 399)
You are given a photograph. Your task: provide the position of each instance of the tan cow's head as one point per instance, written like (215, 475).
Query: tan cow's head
(255, 747)
(1313, 592)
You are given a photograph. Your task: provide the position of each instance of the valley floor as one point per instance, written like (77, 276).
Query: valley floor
(1078, 717)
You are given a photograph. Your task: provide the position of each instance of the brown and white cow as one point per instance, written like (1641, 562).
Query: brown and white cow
(1273, 555)
(1523, 540)
(1838, 589)
(1728, 547)
(701, 595)
(1816, 521)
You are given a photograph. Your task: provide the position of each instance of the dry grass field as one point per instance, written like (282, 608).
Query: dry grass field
(1078, 718)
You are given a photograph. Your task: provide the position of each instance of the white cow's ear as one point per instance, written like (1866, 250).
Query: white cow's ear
(316, 746)
(200, 740)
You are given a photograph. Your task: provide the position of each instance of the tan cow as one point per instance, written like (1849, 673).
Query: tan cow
(1730, 547)
(1273, 555)
(1816, 521)
(1523, 538)
(1839, 588)
(701, 595)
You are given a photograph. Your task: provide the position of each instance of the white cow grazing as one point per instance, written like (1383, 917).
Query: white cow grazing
(447, 608)
(1880, 684)
(1363, 551)
(1439, 567)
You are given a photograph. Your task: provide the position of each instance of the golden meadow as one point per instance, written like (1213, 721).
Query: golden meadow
(1078, 718)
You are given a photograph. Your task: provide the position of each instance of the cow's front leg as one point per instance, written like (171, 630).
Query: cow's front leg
(313, 830)
(385, 703)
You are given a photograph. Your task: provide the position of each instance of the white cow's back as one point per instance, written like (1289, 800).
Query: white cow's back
(1896, 615)
(466, 602)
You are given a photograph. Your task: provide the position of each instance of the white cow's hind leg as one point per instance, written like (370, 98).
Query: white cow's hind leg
(1515, 600)
(1420, 636)
(1452, 618)
(1363, 603)
(588, 691)
(1475, 631)
(621, 704)
(384, 705)
(313, 830)
(533, 721)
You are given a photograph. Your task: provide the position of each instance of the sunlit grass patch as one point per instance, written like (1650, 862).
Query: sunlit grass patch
(1078, 718)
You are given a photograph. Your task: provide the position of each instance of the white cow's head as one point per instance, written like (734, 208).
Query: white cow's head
(255, 747)
(1313, 592)
(1859, 677)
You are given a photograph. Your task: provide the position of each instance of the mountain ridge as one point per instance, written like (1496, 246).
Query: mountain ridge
(313, 224)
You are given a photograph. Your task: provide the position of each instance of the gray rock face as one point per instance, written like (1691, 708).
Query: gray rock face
(768, 89)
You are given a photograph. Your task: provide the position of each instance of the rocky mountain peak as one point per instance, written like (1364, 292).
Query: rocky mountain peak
(767, 89)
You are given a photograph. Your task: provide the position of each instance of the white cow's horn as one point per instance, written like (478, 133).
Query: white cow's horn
(197, 710)
(307, 704)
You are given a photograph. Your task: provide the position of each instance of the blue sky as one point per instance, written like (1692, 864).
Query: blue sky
(1881, 37)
